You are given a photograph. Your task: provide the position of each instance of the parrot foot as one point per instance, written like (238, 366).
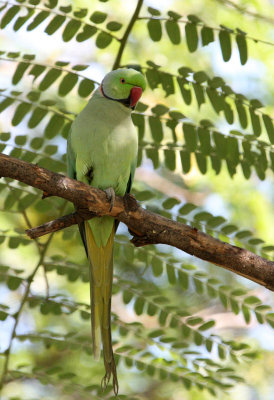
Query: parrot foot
(110, 196)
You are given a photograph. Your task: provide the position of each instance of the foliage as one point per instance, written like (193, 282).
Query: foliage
(198, 125)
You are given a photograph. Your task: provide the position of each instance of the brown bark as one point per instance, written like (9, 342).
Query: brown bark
(146, 227)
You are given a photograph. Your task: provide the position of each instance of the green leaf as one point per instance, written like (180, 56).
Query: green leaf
(199, 93)
(38, 19)
(13, 282)
(246, 314)
(85, 88)
(36, 71)
(10, 200)
(127, 296)
(26, 201)
(242, 47)
(191, 36)
(170, 203)
(269, 127)
(6, 103)
(139, 122)
(241, 113)
(103, 40)
(154, 29)
(215, 221)
(55, 24)
(207, 35)
(171, 274)
(225, 43)
(36, 117)
(21, 111)
(20, 70)
(255, 121)
(173, 31)
(220, 144)
(163, 317)
(156, 129)
(201, 162)
(4, 136)
(22, 20)
(87, 32)
(114, 26)
(9, 15)
(139, 305)
(153, 77)
(228, 113)
(216, 163)
(207, 325)
(3, 315)
(192, 321)
(215, 99)
(198, 338)
(157, 266)
(98, 17)
(82, 13)
(170, 159)
(185, 160)
(185, 89)
(167, 83)
(51, 76)
(204, 139)
(153, 155)
(270, 319)
(252, 300)
(20, 140)
(190, 135)
(144, 195)
(71, 29)
(67, 84)
(54, 126)
(183, 279)
(50, 149)
(160, 109)
(221, 352)
(233, 150)
(153, 11)
(176, 115)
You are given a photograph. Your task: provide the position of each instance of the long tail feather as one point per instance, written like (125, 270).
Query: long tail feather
(101, 274)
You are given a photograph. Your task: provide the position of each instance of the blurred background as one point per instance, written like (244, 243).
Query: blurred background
(56, 308)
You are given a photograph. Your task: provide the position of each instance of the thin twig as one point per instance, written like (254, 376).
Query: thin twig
(29, 281)
(124, 39)
(244, 10)
(19, 312)
(24, 213)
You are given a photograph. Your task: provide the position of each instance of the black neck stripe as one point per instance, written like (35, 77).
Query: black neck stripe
(125, 102)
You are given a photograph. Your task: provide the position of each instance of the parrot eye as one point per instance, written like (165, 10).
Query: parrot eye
(122, 80)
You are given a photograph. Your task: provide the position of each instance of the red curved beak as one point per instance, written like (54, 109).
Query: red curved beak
(135, 94)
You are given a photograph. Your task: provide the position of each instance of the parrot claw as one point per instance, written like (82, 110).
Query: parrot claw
(110, 197)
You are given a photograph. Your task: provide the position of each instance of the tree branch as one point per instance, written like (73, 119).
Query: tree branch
(124, 39)
(146, 227)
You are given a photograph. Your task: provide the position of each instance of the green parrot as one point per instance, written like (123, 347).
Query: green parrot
(102, 151)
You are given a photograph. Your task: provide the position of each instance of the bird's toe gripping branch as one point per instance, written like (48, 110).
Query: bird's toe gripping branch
(110, 197)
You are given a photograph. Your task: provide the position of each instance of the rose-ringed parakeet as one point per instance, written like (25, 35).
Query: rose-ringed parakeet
(102, 151)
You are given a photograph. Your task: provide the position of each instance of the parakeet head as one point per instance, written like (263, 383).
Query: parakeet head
(124, 85)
